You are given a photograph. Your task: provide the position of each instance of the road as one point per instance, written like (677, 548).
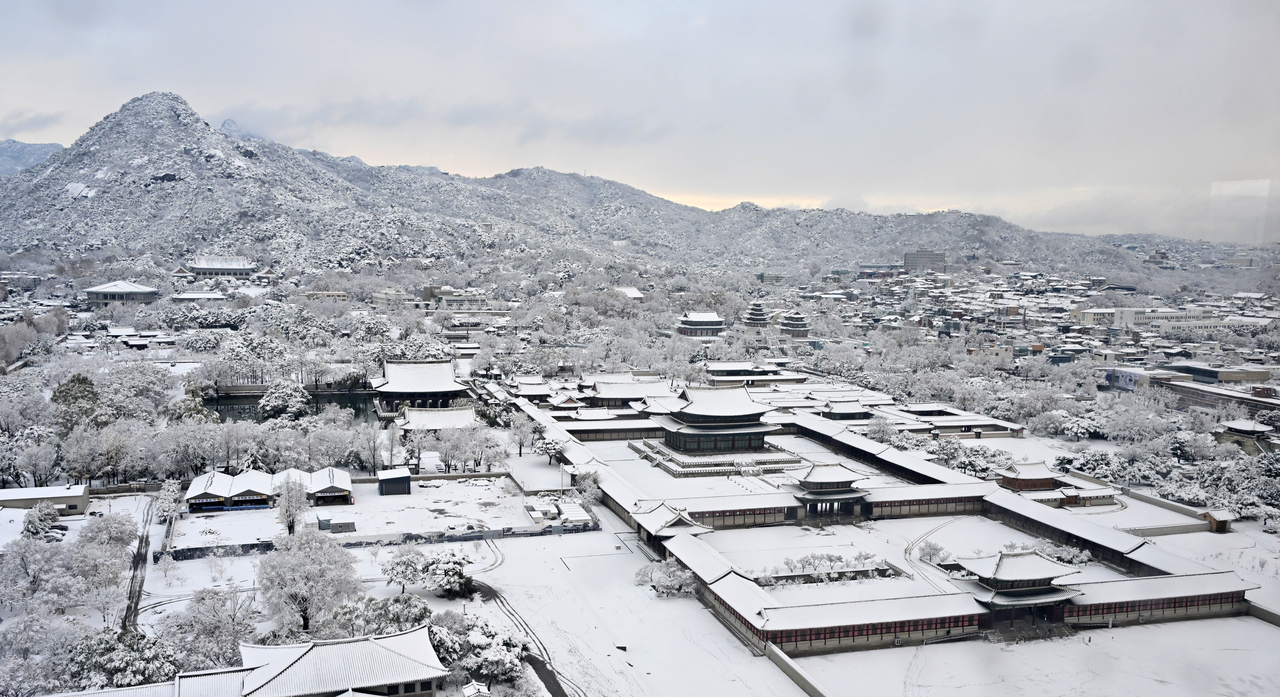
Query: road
(141, 556)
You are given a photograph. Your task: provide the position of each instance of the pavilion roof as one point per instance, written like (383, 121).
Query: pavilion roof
(1025, 565)
(414, 377)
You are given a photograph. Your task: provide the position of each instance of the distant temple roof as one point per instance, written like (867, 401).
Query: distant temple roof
(1027, 565)
(1029, 470)
(221, 262)
(720, 401)
(120, 287)
(418, 377)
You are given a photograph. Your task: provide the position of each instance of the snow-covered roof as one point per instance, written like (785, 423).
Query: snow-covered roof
(1069, 523)
(631, 390)
(920, 492)
(829, 473)
(419, 377)
(435, 419)
(720, 401)
(279, 478)
(329, 478)
(397, 473)
(221, 262)
(664, 520)
(28, 493)
(1247, 426)
(1025, 565)
(211, 484)
(1029, 470)
(251, 481)
(332, 666)
(120, 287)
(703, 317)
(700, 558)
(1155, 587)
(870, 611)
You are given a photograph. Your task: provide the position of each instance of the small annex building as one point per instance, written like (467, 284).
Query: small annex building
(394, 482)
(69, 499)
(117, 292)
(391, 664)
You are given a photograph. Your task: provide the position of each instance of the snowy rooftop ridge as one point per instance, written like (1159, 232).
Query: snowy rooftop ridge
(120, 287)
(1023, 565)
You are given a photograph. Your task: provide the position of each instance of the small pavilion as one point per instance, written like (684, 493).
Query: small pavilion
(1017, 584)
(830, 489)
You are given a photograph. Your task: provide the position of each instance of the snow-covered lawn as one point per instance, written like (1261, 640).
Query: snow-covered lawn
(484, 502)
(578, 594)
(162, 596)
(1228, 656)
(533, 473)
(1250, 552)
(1033, 448)
(1130, 513)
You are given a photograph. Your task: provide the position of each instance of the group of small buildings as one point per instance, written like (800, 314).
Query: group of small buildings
(218, 491)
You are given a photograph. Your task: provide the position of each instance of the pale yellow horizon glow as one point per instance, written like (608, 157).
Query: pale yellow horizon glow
(713, 202)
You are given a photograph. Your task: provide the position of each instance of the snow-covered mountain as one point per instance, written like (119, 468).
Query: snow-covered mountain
(155, 177)
(16, 156)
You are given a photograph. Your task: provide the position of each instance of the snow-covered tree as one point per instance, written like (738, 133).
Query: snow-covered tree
(168, 568)
(306, 577)
(111, 659)
(372, 616)
(933, 552)
(471, 646)
(291, 503)
(116, 531)
(549, 447)
(881, 430)
(284, 399)
(406, 568)
(38, 520)
(667, 578)
(523, 430)
(169, 500)
(445, 573)
(207, 632)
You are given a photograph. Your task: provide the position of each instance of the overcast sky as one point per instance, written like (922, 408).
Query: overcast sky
(1075, 116)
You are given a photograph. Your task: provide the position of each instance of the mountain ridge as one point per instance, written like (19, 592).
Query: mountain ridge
(154, 177)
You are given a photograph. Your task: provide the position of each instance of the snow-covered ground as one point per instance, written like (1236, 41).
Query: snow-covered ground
(578, 594)
(1229, 656)
(532, 472)
(1034, 448)
(163, 595)
(484, 502)
(1131, 513)
(1247, 550)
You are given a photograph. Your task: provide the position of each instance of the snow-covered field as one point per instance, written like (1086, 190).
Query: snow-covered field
(483, 502)
(1250, 552)
(166, 595)
(1228, 656)
(577, 593)
(1032, 448)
